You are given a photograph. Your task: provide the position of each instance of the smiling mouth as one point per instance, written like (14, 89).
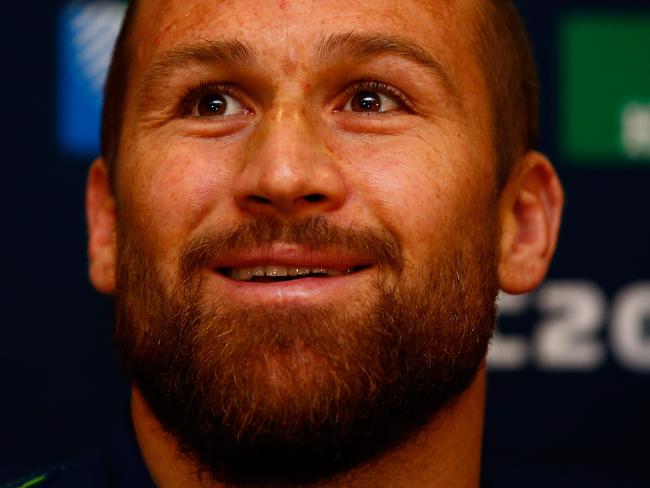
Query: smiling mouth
(276, 274)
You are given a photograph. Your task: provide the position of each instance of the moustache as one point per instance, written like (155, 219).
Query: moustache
(379, 246)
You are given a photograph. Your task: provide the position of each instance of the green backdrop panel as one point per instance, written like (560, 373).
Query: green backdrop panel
(605, 88)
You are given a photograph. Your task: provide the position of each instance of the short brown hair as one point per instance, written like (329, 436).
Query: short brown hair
(115, 90)
(502, 47)
(506, 56)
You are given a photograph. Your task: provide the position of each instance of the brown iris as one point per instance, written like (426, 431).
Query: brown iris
(213, 104)
(366, 101)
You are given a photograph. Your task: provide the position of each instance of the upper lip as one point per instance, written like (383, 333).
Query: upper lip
(291, 255)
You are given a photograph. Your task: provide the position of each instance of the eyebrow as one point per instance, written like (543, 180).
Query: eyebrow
(207, 52)
(358, 45)
(329, 50)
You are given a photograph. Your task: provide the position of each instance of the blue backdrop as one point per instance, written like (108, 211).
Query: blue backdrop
(569, 394)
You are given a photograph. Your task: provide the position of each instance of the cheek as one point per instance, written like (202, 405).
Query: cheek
(180, 185)
(422, 193)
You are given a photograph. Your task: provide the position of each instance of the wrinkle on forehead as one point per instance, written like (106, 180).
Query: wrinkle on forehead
(169, 18)
(174, 22)
(188, 13)
(441, 9)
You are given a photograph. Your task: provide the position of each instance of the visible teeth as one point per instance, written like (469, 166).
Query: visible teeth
(247, 274)
(335, 272)
(276, 271)
(298, 271)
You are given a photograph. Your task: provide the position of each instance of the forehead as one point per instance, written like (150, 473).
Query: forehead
(283, 27)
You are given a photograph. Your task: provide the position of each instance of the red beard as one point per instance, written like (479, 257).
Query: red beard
(297, 394)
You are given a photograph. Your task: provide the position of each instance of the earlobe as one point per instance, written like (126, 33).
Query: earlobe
(530, 213)
(101, 220)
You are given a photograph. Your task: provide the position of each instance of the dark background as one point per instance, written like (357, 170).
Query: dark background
(552, 419)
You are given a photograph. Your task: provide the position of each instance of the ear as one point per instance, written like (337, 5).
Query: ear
(530, 213)
(101, 220)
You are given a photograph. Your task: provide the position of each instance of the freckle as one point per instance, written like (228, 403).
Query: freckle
(289, 67)
(330, 147)
(158, 38)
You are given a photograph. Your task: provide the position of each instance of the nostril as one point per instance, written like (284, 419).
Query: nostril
(259, 199)
(314, 198)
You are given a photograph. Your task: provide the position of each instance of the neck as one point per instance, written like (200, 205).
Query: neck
(446, 453)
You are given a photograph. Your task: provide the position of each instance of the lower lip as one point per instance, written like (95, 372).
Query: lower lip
(303, 290)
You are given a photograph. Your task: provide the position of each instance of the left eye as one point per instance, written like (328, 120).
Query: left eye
(218, 104)
(371, 101)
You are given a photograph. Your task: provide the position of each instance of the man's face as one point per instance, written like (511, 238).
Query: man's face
(306, 225)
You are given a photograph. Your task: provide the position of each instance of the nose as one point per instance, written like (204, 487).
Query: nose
(289, 171)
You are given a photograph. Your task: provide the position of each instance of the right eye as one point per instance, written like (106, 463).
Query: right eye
(212, 100)
(217, 104)
(372, 101)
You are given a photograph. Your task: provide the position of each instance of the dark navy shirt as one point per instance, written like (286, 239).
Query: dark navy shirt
(117, 464)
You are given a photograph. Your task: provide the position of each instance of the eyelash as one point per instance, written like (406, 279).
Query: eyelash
(375, 86)
(194, 94)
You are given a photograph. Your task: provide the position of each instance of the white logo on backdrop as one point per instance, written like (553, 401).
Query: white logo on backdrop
(636, 130)
(96, 26)
(578, 328)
